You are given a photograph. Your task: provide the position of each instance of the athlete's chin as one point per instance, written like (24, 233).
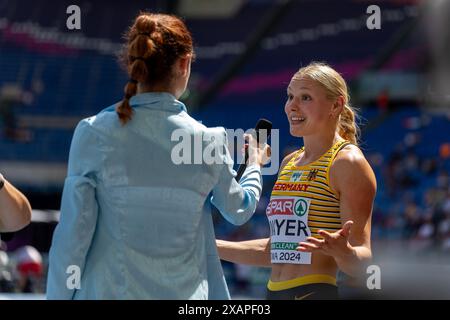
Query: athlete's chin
(295, 132)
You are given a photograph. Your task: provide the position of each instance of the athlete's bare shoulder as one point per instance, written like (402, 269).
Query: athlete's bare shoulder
(349, 153)
(349, 167)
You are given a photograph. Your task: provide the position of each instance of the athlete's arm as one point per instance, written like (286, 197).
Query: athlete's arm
(15, 210)
(251, 252)
(353, 179)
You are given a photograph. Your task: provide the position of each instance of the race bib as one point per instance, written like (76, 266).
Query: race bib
(288, 220)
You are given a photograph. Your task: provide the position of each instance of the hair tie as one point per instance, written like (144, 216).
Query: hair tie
(144, 34)
(133, 81)
(137, 58)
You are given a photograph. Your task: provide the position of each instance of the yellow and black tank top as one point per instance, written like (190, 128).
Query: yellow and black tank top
(301, 204)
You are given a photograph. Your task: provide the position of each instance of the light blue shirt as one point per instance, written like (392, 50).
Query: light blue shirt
(134, 224)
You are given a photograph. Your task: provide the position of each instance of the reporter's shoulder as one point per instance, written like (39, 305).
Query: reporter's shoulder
(85, 125)
(216, 134)
(90, 129)
(105, 121)
(184, 121)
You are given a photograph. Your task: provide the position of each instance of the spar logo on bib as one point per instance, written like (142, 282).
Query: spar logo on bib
(289, 206)
(301, 207)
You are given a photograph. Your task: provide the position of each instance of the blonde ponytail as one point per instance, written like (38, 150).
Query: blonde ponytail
(347, 127)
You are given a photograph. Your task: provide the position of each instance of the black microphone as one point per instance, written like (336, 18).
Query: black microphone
(262, 124)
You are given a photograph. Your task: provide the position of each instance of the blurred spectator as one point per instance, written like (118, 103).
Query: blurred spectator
(375, 159)
(383, 101)
(428, 166)
(29, 267)
(443, 180)
(444, 150)
(242, 277)
(444, 227)
(412, 220)
(6, 280)
(12, 95)
(423, 240)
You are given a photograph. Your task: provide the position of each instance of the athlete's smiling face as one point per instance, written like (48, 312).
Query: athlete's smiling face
(307, 107)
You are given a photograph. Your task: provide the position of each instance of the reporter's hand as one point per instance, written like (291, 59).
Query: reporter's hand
(259, 155)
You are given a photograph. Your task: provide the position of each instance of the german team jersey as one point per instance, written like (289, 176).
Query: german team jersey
(301, 204)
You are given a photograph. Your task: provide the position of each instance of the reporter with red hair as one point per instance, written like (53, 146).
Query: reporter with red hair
(135, 224)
